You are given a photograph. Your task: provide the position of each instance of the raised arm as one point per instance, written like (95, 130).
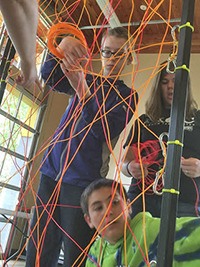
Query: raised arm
(65, 75)
(72, 65)
(21, 20)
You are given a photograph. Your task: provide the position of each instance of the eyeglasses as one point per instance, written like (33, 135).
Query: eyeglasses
(108, 53)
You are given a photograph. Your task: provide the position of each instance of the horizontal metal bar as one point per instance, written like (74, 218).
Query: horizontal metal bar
(13, 153)
(9, 186)
(15, 213)
(20, 123)
(131, 24)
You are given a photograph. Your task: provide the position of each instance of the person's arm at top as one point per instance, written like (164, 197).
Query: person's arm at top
(21, 20)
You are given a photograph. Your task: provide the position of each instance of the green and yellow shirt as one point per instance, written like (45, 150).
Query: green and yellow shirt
(139, 247)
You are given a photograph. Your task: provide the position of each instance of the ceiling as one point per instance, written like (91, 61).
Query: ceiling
(150, 28)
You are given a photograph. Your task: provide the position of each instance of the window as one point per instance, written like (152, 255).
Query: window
(20, 117)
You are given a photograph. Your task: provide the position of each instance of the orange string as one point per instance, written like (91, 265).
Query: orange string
(57, 31)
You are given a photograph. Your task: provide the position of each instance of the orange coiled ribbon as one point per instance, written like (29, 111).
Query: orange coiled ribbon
(57, 31)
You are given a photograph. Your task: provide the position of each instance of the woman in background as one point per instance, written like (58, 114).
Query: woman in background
(148, 134)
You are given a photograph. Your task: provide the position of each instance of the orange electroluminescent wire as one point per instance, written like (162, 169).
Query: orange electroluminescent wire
(57, 31)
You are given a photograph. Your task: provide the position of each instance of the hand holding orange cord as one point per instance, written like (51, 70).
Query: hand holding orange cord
(73, 53)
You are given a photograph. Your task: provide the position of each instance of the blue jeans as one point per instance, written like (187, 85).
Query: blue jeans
(57, 224)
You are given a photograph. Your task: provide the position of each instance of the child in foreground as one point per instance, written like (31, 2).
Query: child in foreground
(121, 239)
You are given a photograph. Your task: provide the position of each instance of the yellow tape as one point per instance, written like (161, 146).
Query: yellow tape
(175, 142)
(171, 191)
(184, 67)
(187, 24)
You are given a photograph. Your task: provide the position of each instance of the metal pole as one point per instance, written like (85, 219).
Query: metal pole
(174, 150)
(8, 55)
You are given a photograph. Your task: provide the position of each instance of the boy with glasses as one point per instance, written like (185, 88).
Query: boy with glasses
(79, 153)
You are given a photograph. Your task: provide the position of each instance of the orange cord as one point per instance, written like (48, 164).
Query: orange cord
(57, 31)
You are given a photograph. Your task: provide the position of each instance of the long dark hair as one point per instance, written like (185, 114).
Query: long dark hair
(154, 105)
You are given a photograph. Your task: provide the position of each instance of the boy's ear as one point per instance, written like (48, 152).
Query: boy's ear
(88, 221)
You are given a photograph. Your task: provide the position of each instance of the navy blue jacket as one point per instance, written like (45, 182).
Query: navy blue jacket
(80, 149)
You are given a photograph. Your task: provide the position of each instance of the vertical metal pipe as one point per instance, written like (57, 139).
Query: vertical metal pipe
(8, 55)
(174, 151)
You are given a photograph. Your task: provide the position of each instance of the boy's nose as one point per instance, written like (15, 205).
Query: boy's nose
(109, 211)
